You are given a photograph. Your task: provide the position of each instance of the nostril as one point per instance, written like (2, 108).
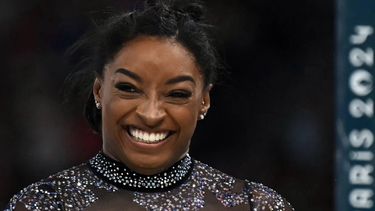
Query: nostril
(151, 117)
(151, 111)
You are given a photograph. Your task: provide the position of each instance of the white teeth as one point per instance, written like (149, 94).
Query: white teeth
(146, 137)
(152, 137)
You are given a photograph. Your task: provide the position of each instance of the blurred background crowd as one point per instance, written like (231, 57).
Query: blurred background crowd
(271, 119)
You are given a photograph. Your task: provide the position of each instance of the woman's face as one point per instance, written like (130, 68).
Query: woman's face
(152, 95)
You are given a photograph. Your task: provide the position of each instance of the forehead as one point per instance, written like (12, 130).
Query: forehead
(155, 55)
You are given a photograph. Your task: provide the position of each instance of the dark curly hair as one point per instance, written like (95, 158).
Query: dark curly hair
(181, 20)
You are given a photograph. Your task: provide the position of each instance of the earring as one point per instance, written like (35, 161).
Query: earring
(201, 116)
(98, 105)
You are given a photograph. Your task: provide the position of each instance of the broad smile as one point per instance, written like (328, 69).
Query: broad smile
(142, 136)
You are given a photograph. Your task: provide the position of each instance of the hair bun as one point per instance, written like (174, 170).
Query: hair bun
(192, 8)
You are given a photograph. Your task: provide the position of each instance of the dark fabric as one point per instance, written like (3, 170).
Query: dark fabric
(206, 188)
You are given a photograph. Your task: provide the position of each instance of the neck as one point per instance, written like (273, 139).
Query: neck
(145, 169)
(121, 176)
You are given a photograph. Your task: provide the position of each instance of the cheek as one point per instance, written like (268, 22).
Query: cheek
(114, 103)
(186, 118)
(114, 110)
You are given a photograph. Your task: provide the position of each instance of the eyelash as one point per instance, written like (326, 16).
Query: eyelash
(126, 87)
(180, 94)
(131, 89)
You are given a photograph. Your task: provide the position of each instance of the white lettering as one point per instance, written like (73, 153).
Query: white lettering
(360, 82)
(362, 155)
(358, 108)
(363, 138)
(361, 198)
(359, 174)
(358, 57)
(362, 33)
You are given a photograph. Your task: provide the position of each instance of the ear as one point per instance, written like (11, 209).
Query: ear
(206, 101)
(97, 89)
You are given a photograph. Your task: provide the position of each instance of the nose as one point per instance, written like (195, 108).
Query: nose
(150, 112)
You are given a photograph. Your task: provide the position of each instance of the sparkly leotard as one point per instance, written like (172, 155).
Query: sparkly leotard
(104, 184)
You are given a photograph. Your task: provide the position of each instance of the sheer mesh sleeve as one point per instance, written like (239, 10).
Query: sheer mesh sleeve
(17, 207)
(264, 198)
(78, 188)
(35, 197)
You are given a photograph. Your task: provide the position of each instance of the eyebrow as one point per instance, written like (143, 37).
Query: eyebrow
(175, 80)
(179, 79)
(130, 74)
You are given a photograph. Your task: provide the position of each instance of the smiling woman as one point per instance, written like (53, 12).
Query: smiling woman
(150, 104)
(149, 76)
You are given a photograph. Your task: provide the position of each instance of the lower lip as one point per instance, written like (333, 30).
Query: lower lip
(145, 145)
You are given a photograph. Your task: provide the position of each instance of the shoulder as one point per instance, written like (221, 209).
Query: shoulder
(62, 190)
(265, 198)
(30, 198)
(228, 190)
(232, 191)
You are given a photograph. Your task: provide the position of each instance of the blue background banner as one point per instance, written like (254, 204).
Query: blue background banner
(355, 125)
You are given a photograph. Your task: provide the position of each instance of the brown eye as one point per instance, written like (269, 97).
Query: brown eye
(126, 87)
(180, 94)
